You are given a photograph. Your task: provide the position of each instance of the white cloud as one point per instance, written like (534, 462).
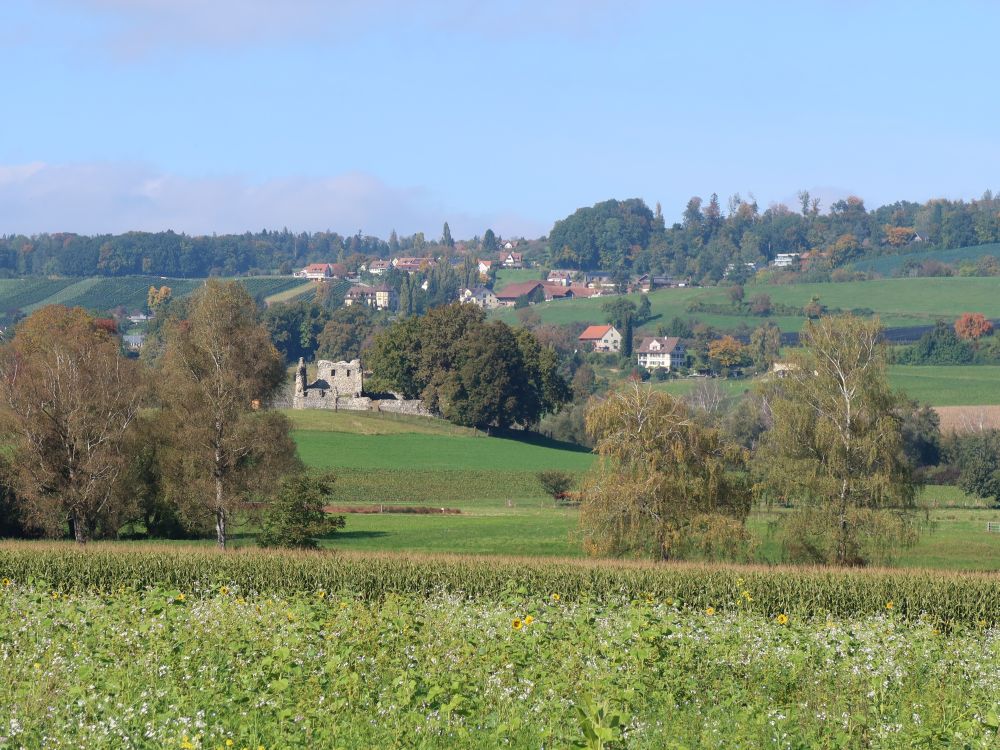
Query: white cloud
(112, 198)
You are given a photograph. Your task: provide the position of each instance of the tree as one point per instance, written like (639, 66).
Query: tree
(471, 372)
(217, 365)
(347, 332)
(736, 294)
(295, 516)
(973, 326)
(666, 486)
(835, 447)
(295, 328)
(644, 312)
(621, 313)
(727, 352)
(978, 457)
(939, 346)
(555, 483)
(760, 304)
(489, 242)
(765, 345)
(70, 401)
(446, 238)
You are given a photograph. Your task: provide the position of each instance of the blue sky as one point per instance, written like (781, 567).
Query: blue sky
(229, 115)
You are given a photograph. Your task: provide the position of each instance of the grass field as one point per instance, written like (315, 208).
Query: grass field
(898, 302)
(508, 276)
(179, 648)
(418, 461)
(889, 264)
(941, 385)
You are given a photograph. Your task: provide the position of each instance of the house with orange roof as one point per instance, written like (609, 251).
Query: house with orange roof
(601, 338)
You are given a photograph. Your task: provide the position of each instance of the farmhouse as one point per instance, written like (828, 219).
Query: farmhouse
(379, 297)
(512, 260)
(485, 266)
(508, 296)
(656, 351)
(602, 338)
(316, 271)
(480, 296)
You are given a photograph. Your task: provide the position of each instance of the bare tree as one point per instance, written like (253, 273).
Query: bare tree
(70, 400)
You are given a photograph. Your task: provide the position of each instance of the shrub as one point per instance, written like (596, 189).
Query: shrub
(295, 516)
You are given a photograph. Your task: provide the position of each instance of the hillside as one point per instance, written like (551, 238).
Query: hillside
(898, 302)
(101, 294)
(888, 265)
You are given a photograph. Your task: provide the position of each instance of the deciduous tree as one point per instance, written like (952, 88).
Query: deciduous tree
(218, 365)
(835, 448)
(973, 326)
(666, 485)
(70, 400)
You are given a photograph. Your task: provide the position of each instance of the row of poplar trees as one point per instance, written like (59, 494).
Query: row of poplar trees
(85, 426)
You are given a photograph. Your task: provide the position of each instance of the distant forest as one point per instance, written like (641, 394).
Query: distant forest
(710, 242)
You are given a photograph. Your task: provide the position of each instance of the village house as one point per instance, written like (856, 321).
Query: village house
(316, 271)
(600, 280)
(784, 260)
(380, 297)
(655, 351)
(485, 266)
(511, 260)
(480, 296)
(560, 276)
(602, 338)
(379, 267)
(413, 265)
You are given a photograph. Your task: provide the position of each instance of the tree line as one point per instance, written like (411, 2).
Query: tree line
(712, 242)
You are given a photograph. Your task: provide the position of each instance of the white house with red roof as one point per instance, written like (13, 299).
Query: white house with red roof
(660, 351)
(602, 338)
(316, 271)
(512, 260)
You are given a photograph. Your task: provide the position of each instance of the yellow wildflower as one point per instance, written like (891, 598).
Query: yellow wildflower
(36, 665)
(517, 623)
(528, 620)
(889, 604)
(555, 597)
(186, 744)
(7, 582)
(670, 602)
(181, 597)
(229, 743)
(782, 619)
(223, 590)
(321, 594)
(710, 611)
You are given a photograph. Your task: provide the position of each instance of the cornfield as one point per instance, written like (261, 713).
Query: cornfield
(808, 592)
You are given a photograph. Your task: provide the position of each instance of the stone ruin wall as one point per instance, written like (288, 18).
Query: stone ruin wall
(340, 385)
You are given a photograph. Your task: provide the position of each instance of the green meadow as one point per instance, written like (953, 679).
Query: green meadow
(388, 459)
(898, 302)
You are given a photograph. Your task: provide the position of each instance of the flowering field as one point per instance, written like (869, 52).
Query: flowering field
(219, 666)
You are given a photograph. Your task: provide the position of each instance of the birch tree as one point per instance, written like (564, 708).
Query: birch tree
(69, 402)
(835, 448)
(217, 367)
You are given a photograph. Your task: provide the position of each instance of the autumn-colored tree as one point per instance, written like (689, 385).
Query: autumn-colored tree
(727, 351)
(157, 296)
(70, 400)
(765, 344)
(736, 294)
(898, 236)
(666, 485)
(835, 447)
(973, 326)
(760, 304)
(216, 364)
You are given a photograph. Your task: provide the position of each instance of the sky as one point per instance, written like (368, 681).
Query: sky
(371, 115)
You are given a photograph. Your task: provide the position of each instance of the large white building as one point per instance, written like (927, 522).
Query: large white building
(656, 351)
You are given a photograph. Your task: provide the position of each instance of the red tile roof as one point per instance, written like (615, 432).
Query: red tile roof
(594, 333)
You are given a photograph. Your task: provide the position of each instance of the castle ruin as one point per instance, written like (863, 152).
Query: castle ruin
(340, 386)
